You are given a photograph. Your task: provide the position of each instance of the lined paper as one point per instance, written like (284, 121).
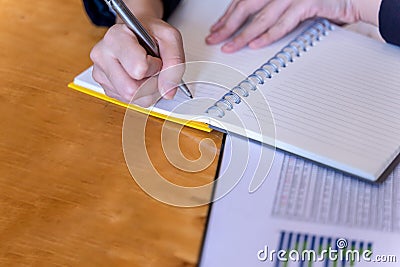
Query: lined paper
(337, 104)
(343, 95)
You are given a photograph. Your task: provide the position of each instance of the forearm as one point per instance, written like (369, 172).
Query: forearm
(368, 10)
(381, 13)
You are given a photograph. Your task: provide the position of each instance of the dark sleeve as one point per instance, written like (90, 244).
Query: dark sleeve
(100, 14)
(389, 21)
(169, 7)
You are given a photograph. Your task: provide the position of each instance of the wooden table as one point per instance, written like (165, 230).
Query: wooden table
(66, 195)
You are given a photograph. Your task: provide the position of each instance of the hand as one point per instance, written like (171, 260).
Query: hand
(121, 64)
(272, 19)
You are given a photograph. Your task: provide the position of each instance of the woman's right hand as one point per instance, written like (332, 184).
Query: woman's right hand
(121, 64)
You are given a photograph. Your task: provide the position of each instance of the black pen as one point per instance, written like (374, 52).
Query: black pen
(145, 39)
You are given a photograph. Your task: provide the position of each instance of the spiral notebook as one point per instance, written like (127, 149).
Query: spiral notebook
(322, 92)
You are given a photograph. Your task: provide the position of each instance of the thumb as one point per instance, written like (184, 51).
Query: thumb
(173, 57)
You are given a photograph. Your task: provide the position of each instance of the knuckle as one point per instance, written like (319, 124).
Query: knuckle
(242, 7)
(146, 103)
(312, 11)
(227, 28)
(280, 26)
(247, 35)
(96, 74)
(241, 40)
(112, 34)
(115, 29)
(95, 53)
(127, 94)
(302, 8)
(108, 92)
(139, 71)
(174, 61)
(261, 17)
(171, 34)
(109, 36)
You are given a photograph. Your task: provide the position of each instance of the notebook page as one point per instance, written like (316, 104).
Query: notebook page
(337, 104)
(194, 20)
(340, 101)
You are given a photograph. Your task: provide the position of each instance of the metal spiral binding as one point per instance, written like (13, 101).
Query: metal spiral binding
(281, 60)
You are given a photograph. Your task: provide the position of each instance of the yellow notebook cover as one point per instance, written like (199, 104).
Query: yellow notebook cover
(193, 124)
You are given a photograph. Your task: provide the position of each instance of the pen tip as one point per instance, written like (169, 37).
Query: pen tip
(185, 89)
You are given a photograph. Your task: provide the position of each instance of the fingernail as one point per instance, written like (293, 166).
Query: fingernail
(256, 44)
(211, 37)
(166, 89)
(170, 94)
(216, 26)
(252, 45)
(228, 46)
(167, 96)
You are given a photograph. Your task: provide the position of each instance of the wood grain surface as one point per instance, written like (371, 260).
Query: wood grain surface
(66, 195)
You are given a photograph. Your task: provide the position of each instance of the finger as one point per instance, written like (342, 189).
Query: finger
(110, 72)
(131, 55)
(106, 84)
(173, 57)
(107, 69)
(99, 75)
(146, 87)
(148, 100)
(223, 18)
(116, 96)
(289, 20)
(122, 83)
(101, 78)
(119, 88)
(260, 23)
(139, 69)
(233, 22)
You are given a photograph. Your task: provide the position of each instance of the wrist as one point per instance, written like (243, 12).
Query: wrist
(367, 10)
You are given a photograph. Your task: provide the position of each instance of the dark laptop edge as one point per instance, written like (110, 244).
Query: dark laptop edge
(203, 241)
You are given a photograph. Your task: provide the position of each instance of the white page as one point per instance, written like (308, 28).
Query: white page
(337, 104)
(300, 199)
(341, 108)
